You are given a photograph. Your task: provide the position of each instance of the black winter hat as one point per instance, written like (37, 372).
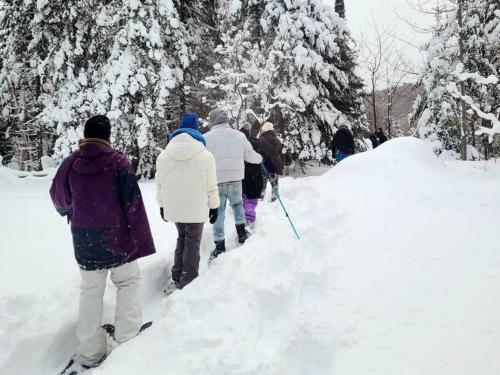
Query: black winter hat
(97, 127)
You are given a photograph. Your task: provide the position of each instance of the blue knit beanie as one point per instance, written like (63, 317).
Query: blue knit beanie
(189, 120)
(189, 125)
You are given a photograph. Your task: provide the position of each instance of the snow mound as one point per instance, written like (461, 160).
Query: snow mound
(395, 156)
(12, 176)
(281, 306)
(395, 274)
(7, 176)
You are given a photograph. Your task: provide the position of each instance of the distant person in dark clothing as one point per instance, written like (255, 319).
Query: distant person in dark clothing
(381, 136)
(342, 144)
(486, 146)
(271, 150)
(373, 140)
(253, 182)
(287, 161)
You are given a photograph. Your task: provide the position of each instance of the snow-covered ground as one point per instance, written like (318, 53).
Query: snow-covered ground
(397, 272)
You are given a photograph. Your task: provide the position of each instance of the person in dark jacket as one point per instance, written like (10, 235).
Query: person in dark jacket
(96, 189)
(381, 136)
(373, 140)
(342, 144)
(253, 182)
(287, 158)
(271, 150)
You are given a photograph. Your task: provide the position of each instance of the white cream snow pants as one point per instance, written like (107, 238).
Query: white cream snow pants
(128, 316)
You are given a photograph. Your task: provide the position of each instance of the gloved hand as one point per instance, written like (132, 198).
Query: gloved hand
(162, 215)
(213, 213)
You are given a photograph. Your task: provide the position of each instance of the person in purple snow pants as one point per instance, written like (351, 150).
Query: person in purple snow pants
(253, 183)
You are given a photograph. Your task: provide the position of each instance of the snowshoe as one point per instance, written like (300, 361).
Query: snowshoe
(75, 368)
(72, 368)
(145, 326)
(110, 330)
(220, 247)
(170, 287)
(250, 229)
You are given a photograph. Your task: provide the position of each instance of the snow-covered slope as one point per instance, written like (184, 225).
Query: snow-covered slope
(397, 272)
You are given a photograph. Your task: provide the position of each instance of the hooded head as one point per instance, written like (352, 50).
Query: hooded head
(189, 124)
(267, 127)
(218, 117)
(189, 120)
(98, 127)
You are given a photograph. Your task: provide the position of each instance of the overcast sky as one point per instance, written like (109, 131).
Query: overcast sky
(388, 15)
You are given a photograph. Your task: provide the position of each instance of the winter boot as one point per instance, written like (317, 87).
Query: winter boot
(220, 247)
(242, 233)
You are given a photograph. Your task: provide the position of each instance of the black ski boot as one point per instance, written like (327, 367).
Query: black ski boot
(242, 233)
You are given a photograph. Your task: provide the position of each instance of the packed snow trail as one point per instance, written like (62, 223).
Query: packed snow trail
(398, 272)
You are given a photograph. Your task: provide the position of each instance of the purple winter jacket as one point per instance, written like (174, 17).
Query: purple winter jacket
(97, 189)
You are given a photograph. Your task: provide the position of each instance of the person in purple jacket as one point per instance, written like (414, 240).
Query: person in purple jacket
(96, 188)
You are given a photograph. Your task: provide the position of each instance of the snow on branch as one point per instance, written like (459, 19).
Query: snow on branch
(476, 77)
(495, 129)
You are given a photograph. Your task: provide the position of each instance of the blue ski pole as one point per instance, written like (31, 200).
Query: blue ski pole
(277, 195)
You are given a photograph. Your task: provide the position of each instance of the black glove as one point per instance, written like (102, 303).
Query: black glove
(213, 213)
(162, 215)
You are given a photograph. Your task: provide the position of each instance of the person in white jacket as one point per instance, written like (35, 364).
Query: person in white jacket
(231, 150)
(187, 194)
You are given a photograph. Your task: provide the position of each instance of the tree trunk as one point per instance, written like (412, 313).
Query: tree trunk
(374, 107)
(340, 8)
(463, 110)
(389, 112)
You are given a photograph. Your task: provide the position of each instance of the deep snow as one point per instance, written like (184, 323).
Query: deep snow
(397, 272)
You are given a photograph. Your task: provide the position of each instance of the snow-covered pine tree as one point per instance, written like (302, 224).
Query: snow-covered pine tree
(240, 82)
(70, 60)
(20, 88)
(199, 18)
(435, 112)
(461, 76)
(482, 40)
(291, 63)
(136, 55)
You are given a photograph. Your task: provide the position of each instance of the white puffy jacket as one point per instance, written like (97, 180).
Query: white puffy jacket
(186, 181)
(231, 150)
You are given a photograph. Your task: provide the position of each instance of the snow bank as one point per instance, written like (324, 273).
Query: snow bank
(7, 176)
(396, 273)
(12, 176)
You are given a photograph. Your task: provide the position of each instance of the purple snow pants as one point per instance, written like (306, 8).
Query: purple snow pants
(250, 205)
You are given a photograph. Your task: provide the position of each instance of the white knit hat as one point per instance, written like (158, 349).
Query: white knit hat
(268, 126)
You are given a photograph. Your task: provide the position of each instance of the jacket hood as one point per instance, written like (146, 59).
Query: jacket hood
(93, 157)
(218, 117)
(192, 132)
(184, 147)
(270, 136)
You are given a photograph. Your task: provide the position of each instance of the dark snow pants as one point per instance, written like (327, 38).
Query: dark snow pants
(274, 180)
(187, 253)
